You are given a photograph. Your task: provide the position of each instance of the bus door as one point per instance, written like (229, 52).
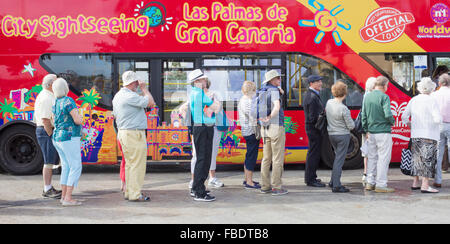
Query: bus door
(167, 138)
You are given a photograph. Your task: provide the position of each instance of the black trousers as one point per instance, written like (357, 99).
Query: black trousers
(313, 155)
(203, 140)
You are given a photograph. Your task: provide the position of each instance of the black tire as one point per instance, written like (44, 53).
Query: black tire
(353, 160)
(20, 153)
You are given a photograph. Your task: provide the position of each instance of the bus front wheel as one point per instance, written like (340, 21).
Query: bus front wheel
(353, 159)
(20, 153)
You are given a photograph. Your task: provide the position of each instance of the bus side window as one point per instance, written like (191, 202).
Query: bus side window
(84, 72)
(402, 68)
(300, 66)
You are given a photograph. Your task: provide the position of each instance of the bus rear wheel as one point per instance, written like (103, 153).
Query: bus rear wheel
(353, 159)
(20, 153)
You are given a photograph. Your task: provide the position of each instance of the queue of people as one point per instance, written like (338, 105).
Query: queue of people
(261, 117)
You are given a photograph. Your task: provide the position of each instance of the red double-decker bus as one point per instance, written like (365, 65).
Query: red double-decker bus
(91, 44)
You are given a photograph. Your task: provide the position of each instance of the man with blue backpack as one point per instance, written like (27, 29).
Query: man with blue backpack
(267, 108)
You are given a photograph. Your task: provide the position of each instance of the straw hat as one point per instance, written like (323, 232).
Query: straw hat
(271, 75)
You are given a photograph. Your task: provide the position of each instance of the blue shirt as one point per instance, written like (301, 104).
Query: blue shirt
(198, 101)
(129, 110)
(65, 127)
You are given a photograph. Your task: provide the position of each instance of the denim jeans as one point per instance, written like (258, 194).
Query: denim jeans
(252, 152)
(45, 143)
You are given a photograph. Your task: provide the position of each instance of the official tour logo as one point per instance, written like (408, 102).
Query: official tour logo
(385, 25)
(439, 13)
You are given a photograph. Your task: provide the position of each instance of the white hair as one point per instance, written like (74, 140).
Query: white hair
(370, 84)
(444, 80)
(426, 85)
(60, 88)
(48, 80)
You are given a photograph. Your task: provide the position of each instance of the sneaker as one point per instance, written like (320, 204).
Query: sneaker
(369, 187)
(255, 186)
(254, 183)
(142, 198)
(52, 193)
(384, 189)
(206, 198)
(340, 189)
(279, 192)
(266, 191)
(363, 180)
(193, 193)
(215, 183)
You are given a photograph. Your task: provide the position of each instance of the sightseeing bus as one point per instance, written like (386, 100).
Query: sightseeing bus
(91, 43)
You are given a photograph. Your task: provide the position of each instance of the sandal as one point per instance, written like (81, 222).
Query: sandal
(429, 190)
(142, 198)
(71, 203)
(414, 188)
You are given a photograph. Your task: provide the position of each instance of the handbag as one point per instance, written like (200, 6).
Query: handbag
(406, 161)
(321, 123)
(358, 125)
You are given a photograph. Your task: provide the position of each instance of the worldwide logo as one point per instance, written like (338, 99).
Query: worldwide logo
(385, 25)
(156, 13)
(440, 13)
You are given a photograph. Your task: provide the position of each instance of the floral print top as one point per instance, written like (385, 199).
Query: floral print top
(65, 127)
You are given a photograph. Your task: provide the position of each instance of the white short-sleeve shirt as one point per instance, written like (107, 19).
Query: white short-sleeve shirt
(43, 107)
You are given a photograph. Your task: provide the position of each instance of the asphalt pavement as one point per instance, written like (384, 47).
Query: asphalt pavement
(99, 191)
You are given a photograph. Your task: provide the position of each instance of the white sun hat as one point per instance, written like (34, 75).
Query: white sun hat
(426, 85)
(196, 75)
(129, 77)
(270, 75)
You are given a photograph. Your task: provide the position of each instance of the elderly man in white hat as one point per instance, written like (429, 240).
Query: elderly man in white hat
(129, 111)
(273, 133)
(203, 121)
(44, 129)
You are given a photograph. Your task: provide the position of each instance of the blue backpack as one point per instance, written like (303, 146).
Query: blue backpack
(261, 105)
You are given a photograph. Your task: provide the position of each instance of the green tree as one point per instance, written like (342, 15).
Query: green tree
(90, 99)
(7, 109)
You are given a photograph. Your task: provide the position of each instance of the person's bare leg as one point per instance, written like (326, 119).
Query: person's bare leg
(426, 185)
(64, 190)
(68, 195)
(47, 176)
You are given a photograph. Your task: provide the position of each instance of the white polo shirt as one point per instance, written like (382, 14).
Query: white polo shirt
(43, 107)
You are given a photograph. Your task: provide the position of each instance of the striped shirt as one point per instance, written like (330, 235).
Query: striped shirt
(248, 123)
